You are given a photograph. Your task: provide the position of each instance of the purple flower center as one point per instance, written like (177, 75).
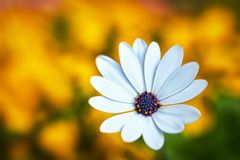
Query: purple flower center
(146, 103)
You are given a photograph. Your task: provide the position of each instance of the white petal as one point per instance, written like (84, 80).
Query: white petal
(168, 123)
(179, 80)
(115, 123)
(185, 113)
(169, 63)
(106, 105)
(140, 48)
(152, 136)
(111, 70)
(131, 66)
(152, 60)
(194, 89)
(111, 90)
(133, 129)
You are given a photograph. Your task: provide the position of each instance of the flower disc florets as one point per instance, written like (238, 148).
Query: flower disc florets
(147, 103)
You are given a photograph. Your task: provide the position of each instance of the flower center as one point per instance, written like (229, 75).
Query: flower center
(146, 103)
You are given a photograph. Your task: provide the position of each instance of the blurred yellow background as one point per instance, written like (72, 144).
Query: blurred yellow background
(47, 55)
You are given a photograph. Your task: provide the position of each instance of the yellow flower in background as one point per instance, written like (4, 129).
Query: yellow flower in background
(24, 41)
(219, 61)
(79, 69)
(18, 119)
(215, 25)
(179, 30)
(60, 139)
(234, 80)
(221, 66)
(87, 25)
(18, 106)
(128, 18)
(190, 31)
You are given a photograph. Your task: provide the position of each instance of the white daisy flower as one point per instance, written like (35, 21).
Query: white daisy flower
(147, 90)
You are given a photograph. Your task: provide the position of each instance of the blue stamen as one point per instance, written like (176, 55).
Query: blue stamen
(147, 103)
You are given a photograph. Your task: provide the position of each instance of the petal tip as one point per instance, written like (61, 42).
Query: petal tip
(193, 65)
(155, 44)
(176, 50)
(157, 147)
(198, 114)
(103, 129)
(125, 139)
(93, 79)
(123, 44)
(123, 47)
(205, 83)
(90, 101)
(99, 58)
(137, 40)
(178, 47)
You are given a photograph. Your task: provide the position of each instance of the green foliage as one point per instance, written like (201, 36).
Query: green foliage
(60, 29)
(220, 143)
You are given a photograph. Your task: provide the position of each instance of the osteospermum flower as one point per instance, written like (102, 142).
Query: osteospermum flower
(146, 90)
